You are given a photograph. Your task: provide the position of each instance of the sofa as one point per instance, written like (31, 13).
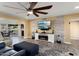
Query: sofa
(7, 51)
(20, 49)
(31, 49)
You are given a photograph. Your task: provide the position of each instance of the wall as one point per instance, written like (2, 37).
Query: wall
(62, 25)
(28, 24)
(59, 28)
(8, 16)
(6, 21)
(57, 25)
(66, 29)
(29, 29)
(26, 27)
(18, 20)
(34, 26)
(67, 19)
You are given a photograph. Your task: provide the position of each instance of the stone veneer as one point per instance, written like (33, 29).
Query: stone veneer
(59, 28)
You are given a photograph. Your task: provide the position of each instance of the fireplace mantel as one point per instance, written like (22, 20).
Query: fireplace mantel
(50, 36)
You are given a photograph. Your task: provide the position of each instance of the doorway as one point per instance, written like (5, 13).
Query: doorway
(74, 30)
(74, 33)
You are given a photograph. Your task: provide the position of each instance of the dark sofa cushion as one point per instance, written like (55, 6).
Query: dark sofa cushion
(30, 48)
(2, 45)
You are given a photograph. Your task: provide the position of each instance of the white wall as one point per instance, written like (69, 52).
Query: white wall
(6, 21)
(74, 30)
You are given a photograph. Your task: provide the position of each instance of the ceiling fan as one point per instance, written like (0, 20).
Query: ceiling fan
(32, 9)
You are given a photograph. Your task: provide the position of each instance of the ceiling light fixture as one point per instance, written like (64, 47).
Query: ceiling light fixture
(77, 7)
(30, 12)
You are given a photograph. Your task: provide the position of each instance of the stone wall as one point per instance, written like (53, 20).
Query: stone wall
(59, 28)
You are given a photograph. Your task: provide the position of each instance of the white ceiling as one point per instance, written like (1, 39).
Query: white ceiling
(59, 8)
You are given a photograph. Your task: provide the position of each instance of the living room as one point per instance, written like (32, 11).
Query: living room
(27, 31)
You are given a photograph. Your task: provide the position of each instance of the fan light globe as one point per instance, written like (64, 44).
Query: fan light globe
(30, 12)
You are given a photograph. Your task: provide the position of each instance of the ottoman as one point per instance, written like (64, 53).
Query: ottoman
(31, 49)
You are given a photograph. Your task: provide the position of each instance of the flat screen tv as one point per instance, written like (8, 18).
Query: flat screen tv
(44, 25)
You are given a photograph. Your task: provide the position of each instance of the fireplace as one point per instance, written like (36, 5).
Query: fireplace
(43, 37)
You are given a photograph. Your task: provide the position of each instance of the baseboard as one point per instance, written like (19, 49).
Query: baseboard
(25, 37)
(68, 42)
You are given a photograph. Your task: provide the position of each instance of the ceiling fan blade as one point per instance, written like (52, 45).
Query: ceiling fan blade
(42, 12)
(13, 7)
(43, 8)
(35, 14)
(22, 5)
(32, 5)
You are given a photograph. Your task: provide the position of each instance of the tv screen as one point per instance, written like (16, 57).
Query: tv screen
(44, 25)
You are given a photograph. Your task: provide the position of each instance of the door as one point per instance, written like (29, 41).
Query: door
(74, 30)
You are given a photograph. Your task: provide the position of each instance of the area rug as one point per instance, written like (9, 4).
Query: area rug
(58, 50)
